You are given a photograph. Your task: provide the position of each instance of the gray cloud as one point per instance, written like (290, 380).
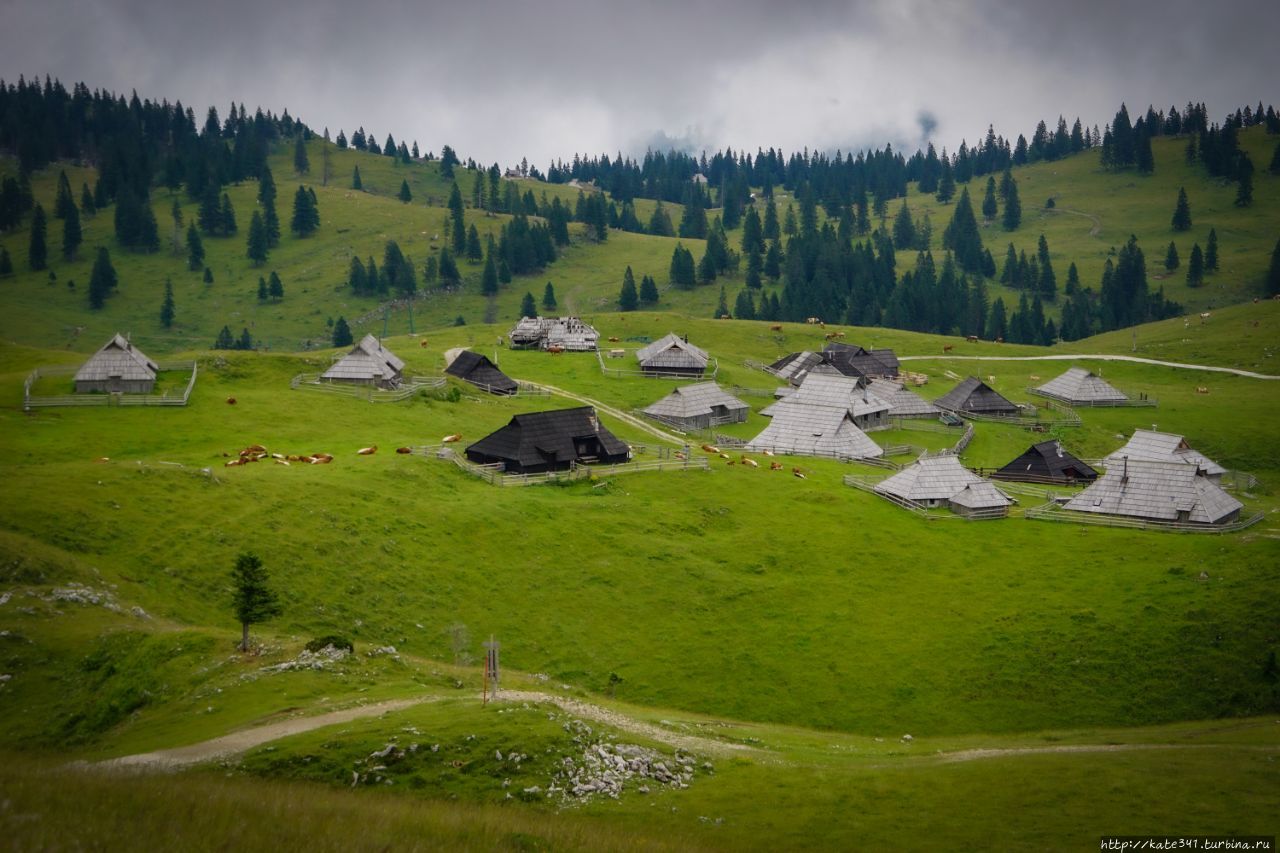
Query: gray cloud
(499, 80)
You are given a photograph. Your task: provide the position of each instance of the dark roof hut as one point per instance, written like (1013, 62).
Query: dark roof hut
(975, 397)
(853, 360)
(794, 367)
(672, 356)
(699, 406)
(1046, 462)
(1171, 492)
(368, 363)
(481, 372)
(536, 442)
(118, 367)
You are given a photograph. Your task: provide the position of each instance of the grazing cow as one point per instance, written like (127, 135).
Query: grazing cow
(948, 347)
(1202, 389)
(999, 340)
(422, 344)
(775, 466)
(613, 340)
(972, 339)
(777, 328)
(321, 459)
(751, 462)
(449, 439)
(555, 350)
(231, 401)
(710, 448)
(404, 450)
(798, 473)
(1205, 315)
(368, 451)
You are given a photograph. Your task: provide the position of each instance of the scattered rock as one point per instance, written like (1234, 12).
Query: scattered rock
(322, 659)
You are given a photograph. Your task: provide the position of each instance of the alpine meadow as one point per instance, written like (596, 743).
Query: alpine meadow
(359, 495)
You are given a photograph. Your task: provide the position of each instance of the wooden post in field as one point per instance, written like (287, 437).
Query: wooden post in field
(491, 667)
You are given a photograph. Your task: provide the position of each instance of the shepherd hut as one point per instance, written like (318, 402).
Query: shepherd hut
(1147, 444)
(814, 431)
(794, 367)
(902, 403)
(118, 367)
(368, 363)
(481, 372)
(974, 397)
(1082, 388)
(561, 334)
(536, 442)
(832, 390)
(853, 360)
(1046, 462)
(941, 481)
(699, 406)
(672, 356)
(1165, 491)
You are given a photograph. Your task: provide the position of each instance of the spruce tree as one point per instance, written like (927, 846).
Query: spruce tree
(963, 238)
(224, 339)
(257, 243)
(226, 215)
(489, 279)
(1211, 252)
(997, 324)
(457, 223)
(175, 216)
(208, 276)
(1244, 192)
(72, 236)
(1012, 206)
(628, 297)
(474, 251)
(773, 261)
(405, 195)
(1048, 283)
(87, 205)
(449, 275)
(341, 333)
(549, 297)
(301, 164)
(1195, 267)
(275, 287)
(356, 276)
(1182, 212)
(166, 307)
(744, 307)
(770, 231)
(527, 306)
(102, 280)
(38, 253)
(648, 291)
(660, 222)
(262, 289)
(989, 207)
(306, 219)
(64, 201)
(707, 269)
(904, 229)
(1171, 261)
(946, 181)
(789, 225)
(356, 183)
(1272, 283)
(6, 263)
(195, 248)
(253, 600)
(722, 307)
(210, 213)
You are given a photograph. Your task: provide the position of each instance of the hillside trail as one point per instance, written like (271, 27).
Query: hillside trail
(1248, 374)
(1097, 223)
(629, 419)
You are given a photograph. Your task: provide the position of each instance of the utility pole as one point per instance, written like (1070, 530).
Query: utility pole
(491, 667)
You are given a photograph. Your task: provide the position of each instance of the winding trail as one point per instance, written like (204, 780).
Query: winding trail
(630, 420)
(1097, 223)
(1249, 374)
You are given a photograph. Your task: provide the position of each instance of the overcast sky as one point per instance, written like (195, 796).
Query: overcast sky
(501, 79)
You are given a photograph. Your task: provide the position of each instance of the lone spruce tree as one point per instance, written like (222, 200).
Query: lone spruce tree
(1182, 213)
(628, 297)
(166, 307)
(253, 601)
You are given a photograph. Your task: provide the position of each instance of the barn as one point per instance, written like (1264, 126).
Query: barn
(941, 481)
(368, 363)
(831, 390)
(1149, 445)
(1046, 462)
(1081, 387)
(537, 442)
(118, 367)
(1161, 491)
(672, 356)
(699, 406)
(974, 397)
(481, 372)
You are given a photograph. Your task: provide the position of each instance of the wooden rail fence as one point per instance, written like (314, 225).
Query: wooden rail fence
(35, 401)
(1052, 511)
(313, 382)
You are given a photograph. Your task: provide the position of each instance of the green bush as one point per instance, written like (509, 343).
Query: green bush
(331, 640)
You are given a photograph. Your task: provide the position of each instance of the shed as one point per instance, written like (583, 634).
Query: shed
(1147, 444)
(549, 441)
(1081, 387)
(902, 403)
(1046, 461)
(975, 397)
(1157, 491)
(368, 363)
(672, 355)
(118, 367)
(481, 372)
(699, 406)
(941, 481)
(833, 390)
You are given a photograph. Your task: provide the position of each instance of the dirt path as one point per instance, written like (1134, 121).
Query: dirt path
(244, 740)
(1097, 223)
(631, 420)
(1249, 374)
(981, 754)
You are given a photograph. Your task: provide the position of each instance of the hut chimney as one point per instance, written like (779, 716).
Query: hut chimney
(1124, 478)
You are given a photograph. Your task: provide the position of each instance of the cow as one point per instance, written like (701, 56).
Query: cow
(777, 328)
(775, 466)
(231, 401)
(710, 448)
(971, 339)
(798, 473)
(1202, 389)
(403, 450)
(948, 347)
(422, 344)
(452, 437)
(751, 462)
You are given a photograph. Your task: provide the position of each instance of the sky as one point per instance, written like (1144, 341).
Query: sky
(501, 80)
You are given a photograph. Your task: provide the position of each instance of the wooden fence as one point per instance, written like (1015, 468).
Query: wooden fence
(494, 474)
(34, 401)
(868, 484)
(713, 368)
(1141, 400)
(1067, 417)
(1053, 511)
(313, 382)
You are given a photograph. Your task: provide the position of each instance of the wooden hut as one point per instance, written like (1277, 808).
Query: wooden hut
(941, 481)
(536, 442)
(1046, 462)
(832, 390)
(974, 397)
(1146, 490)
(902, 403)
(118, 367)
(853, 360)
(699, 406)
(794, 367)
(558, 334)
(368, 363)
(1149, 445)
(672, 356)
(814, 431)
(1082, 388)
(481, 372)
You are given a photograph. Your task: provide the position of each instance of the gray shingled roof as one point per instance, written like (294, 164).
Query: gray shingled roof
(902, 403)
(117, 359)
(368, 360)
(1157, 491)
(832, 390)
(942, 478)
(672, 351)
(795, 366)
(974, 396)
(1079, 385)
(692, 401)
(982, 495)
(567, 332)
(1163, 447)
(814, 431)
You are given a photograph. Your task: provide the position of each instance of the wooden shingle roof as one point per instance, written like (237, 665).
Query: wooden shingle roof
(1046, 459)
(481, 372)
(902, 403)
(1156, 491)
(1163, 447)
(976, 397)
(691, 401)
(672, 352)
(368, 360)
(942, 478)
(832, 390)
(117, 359)
(1079, 385)
(539, 438)
(814, 431)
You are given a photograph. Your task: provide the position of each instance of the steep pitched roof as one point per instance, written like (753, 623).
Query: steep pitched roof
(902, 403)
(832, 390)
(568, 332)
(975, 396)
(1047, 458)
(691, 401)
(851, 359)
(369, 359)
(1079, 385)
(1163, 447)
(814, 431)
(1157, 491)
(794, 367)
(540, 438)
(982, 495)
(117, 359)
(672, 351)
(480, 371)
(940, 478)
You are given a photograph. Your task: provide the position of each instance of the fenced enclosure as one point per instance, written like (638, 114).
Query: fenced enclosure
(372, 393)
(867, 483)
(655, 459)
(1130, 400)
(1064, 416)
(32, 400)
(1053, 511)
(708, 375)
